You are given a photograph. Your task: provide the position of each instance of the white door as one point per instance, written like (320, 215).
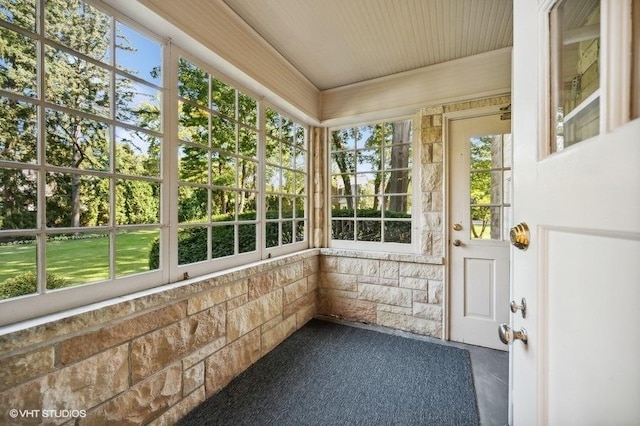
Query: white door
(581, 201)
(480, 155)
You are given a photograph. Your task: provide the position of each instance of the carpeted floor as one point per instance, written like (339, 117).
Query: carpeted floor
(333, 374)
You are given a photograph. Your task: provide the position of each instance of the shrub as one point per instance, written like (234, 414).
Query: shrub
(26, 284)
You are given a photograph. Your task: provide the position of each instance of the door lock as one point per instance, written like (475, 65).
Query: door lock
(522, 307)
(519, 236)
(457, 227)
(508, 336)
(457, 243)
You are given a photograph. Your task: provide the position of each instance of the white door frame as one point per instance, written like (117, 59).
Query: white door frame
(447, 118)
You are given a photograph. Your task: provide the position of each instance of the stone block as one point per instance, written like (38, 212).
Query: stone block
(204, 352)
(313, 281)
(81, 386)
(421, 270)
(431, 134)
(349, 309)
(388, 269)
(311, 266)
(307, 300)
(306, 314)
(253, 314)
(294, 291)
(414, 283)
(181, 409)
(339, 281)
(391, 282)
(432, 110)
(435, 292)
(85, 345)
(21, 368)
(237, 302)
(154, 351)
(421, 296)
(437, 153)
(431, 177)
(425, 310)
(142, 402)
(426, 153)
(276, 335)
(409, 323)
(218, 295)
(395, 309)
(193, 378)
(387, 295)
(230, 361)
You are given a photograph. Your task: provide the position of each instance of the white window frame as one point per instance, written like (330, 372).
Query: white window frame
(416, 198)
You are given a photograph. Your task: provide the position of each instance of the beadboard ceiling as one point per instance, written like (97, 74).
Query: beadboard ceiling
(334, 43)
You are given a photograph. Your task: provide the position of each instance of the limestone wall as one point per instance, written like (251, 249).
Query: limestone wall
(401, 291)
(153, 358)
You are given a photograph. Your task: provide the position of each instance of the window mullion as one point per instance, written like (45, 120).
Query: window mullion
(169, 194)
(261, 189)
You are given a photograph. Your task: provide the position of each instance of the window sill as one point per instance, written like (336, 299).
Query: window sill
(396, 257)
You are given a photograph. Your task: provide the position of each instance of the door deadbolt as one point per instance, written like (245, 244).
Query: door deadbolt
(457, 243)
(457, 227)
(519, 236)
(522, 307)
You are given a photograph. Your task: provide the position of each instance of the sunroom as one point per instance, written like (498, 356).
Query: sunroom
(184, 185)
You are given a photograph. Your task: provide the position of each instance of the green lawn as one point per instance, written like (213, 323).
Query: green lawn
(83, 260)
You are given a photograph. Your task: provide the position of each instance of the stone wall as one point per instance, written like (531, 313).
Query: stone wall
(393, 290)
(151, 359)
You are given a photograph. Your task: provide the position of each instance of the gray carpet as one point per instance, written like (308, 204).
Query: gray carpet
(332, 374)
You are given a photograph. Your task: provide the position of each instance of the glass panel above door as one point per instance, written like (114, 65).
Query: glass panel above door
(575, 72)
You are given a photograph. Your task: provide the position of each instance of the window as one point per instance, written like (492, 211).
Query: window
(371, 185)
(285, 182)
(91, 190)
(575, 71)
(217, 168)
(80, 152)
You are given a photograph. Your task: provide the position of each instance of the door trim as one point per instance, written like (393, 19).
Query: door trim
(447, 118)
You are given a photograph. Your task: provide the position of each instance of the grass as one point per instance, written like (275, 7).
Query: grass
(82, 260)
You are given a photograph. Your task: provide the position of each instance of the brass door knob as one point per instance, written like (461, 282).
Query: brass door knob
(457, 243)
(519, 236)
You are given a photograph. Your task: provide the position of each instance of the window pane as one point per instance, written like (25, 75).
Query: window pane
(77, 259)
(19, 201)
(248, 174)
(287, 232)
(81, 27)
(398, 206)
(193, 83)
(192, 245)
(273, 206)
(247, 238)
(272, 123)
(192, 204)
(137, 104)
(287, 207)
(342, 229)
(273, 151)
(75, 200)
(137, 202)
(343, 162)
(273, 179)
(76, 142)
(397, 232)
(485, 223)
(135, 251)
(486, 152)
(248, 110)
(19, 12)
(575, 70)
(138, 55)
(247, 205)
(193, 124)
(17, 266)
(485, 187)
(300, 230)
(273, 234)
(18, 131)
(344, 140)
(193, 164)
(75, 83)
(223, 170)
(223, 98)
(223, 241)
(18, 64)
(247, 142)
(137, 153)
(223, 205)
(223, 134)
(369, 230)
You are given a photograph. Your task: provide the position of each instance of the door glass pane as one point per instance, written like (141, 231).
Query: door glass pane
(489, 185)
(575, 75)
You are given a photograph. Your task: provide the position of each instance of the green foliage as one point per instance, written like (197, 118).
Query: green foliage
(26, 284)
(370, 230)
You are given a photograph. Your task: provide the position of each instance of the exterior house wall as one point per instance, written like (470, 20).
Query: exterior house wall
(151, 359)
(397, 290)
